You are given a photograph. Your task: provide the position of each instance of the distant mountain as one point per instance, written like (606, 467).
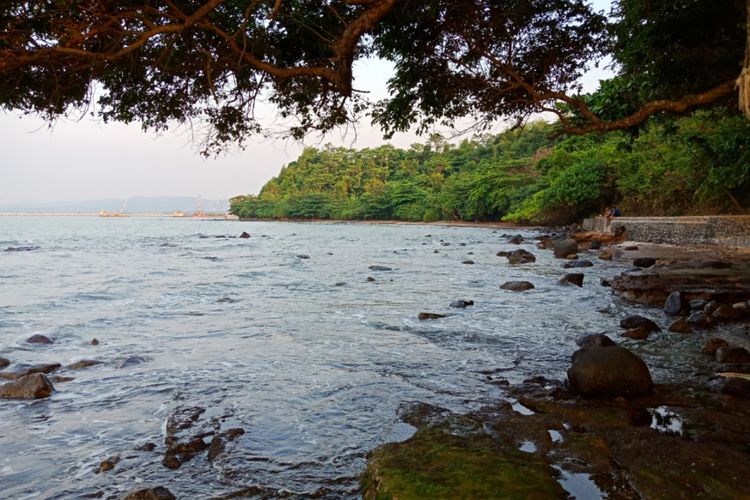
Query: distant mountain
(135, 205)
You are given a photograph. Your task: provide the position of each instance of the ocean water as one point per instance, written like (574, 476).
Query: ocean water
(305, 354)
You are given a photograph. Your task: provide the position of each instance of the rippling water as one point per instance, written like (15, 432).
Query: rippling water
(311, 368)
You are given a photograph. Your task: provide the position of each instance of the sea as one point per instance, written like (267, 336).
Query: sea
(288, 335)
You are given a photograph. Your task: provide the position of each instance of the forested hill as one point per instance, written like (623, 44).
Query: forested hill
(699, 163)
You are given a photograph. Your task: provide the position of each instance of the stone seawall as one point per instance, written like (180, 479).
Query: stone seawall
(729, 230)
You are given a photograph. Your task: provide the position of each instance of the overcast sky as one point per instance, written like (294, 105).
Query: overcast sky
(88, 160)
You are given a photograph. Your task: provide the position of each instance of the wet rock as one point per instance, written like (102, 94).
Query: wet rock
(245, 235)
(84, 363)
(517, 286)
(639, 417)
(370, 279)
(39, 339)
(419, 414)
(146, 447)
(680, 325)
(700, 319)
(676, 305)
(605, 282)
(729, 354)
(131, 361)
(725, 312)
(340, 283)
(565, 248)
(21, 370)
(468, 262)
(631, 248)
(595, 245)
(94, 342)
(171, 461)
(108, 464)
(520, 256)
(156, 493)
(303, 256)
(605, 255)
(502, 253)
(216, 448)
(4, 363)
(698, 304)
(644, 262)
(637, 321)
(713, 344)
(573, 279)
(710, 307)
(578, 263)
(181, 419)
(60, 378)
(609, 372)
(232, 434)
(429, 315)
(741, 308)
(639, 333)
(462, 303)
(379, 268)
(594, 340)
(34, 386)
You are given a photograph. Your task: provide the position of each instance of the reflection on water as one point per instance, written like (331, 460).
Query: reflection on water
(306, 355)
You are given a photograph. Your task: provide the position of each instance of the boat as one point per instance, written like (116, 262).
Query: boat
(178, 213)
(105, 213)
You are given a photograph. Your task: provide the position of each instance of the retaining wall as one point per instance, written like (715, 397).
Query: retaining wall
(729, 230)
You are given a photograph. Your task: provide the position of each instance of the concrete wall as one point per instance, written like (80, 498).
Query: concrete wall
(730, 230)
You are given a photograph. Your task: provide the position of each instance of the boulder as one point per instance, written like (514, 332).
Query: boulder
(563, 248)
(676, 305)
(595, 245)
(515, 240)
(680, 325)
(428, 315)
(741, 308)
(578, 263)
(729, 354)
(517, 286)
(594, 340)
(640, 333)
(4, 362)
(605, 255)
(713, 344)
(502, 253)
(379, 268)
(157, 493)
(39, 339)
(636, 321)
(21, 370)
(245, 235)
(710, 307)
(520, 256)
(462, 303)
(700, 319)
(84, 363)
(725, 312)
(644, 262)
(33, 386)
(609, 372)
(572, 278)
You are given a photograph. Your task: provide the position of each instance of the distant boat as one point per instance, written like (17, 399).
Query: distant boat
(178, 213)
(105, 213)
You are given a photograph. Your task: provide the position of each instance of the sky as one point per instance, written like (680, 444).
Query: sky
(77, 160)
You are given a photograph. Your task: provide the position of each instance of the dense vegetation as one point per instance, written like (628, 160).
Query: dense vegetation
(698, 163)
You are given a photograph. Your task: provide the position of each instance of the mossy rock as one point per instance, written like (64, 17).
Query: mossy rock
(435, 464)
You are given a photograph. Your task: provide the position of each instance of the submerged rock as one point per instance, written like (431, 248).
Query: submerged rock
(39, 339)
(573, 279)
(245, 235)
(21, 370)
(520, 256)
(517, 286)
(156, 493)
(713, 344)
(131, 361)
(84, 363)
(468, 261)
(565, 248)
(637, 321)
(609, 372)
(606, 255)
(379, 268)
(4, 362)
(24, 248)
(303, 256)
(33, 386)
(462, 303)
(578, 263)
(419, 414)
(515, 240)
(429, 315)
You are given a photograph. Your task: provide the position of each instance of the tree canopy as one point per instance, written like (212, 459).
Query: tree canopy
(210, 61)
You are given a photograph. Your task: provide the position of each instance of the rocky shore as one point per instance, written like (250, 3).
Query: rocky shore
(604, 429)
